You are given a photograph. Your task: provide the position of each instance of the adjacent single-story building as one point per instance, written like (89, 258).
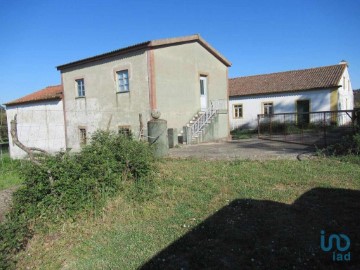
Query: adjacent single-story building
(40, 121)
(325, 88)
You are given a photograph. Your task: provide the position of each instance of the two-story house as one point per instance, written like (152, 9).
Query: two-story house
(179, 77)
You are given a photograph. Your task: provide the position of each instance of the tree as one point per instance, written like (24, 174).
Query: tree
(3, 125)
(357, 98)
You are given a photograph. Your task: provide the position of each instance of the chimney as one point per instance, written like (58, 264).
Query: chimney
(344, 62)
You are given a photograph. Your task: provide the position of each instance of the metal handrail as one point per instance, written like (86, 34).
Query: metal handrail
(197, 126)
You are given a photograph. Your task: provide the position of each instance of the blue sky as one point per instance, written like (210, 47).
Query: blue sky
(256, 36)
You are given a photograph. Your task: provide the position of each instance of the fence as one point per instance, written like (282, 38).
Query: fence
(312, 128)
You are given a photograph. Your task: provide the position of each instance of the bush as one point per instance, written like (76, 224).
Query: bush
(241, 133)
(68, 183)
(349, 145)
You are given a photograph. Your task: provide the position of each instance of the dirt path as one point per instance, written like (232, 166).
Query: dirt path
(5, 200)
(253, 149)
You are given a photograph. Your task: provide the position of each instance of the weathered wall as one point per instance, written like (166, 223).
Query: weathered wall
(102, 101)
(177, 74)
(283, 103)
(40, 124)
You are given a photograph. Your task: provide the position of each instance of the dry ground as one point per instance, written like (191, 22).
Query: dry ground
(253, 149)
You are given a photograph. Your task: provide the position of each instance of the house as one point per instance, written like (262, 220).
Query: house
(40, 121)
(184, 78)
(179, 77)
(325, 88)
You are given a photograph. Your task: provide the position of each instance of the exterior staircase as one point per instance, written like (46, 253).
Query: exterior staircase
(194, 130)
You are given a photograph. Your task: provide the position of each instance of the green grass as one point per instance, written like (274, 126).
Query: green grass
(245, 208)
(9, 172)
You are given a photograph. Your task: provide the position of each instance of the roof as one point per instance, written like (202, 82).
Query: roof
(289, 81)
(48, 93)
(149, 45)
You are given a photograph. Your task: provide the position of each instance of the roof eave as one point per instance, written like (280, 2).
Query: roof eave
(134, 48)
(287, 91)
(189, 39)
(150, 45)
(14, 103)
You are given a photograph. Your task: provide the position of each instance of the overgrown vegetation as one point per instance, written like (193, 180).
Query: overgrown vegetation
(3, 126)
(65, 184)
(239, 134)
(9, 171)
(268, 224)
(348, 146)
(357, 98)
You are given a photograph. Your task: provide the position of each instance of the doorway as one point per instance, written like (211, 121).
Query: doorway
(303, 109)
(203, 93)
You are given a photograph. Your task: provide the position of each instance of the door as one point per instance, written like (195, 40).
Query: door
(303, 109)
(203, 93)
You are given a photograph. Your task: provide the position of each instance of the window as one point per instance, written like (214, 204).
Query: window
(82, 136)
(268, 108)
(80, 86)
(125, 130)
(238, 110)
(123, 80)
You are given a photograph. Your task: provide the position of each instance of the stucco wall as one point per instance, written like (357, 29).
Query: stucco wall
(177, 74)
(345, 92)
(103, 104)
(39, 125)
(283, 103)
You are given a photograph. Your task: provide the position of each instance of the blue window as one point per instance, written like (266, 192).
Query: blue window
(80, 85)
(123, 81)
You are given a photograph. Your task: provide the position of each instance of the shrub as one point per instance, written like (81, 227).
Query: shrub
(349, 145)
(241, 133)
(68, 183)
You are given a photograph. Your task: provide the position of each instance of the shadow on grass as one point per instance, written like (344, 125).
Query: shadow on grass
(252, 234)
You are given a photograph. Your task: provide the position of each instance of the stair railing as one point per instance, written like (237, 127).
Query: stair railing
(198, 126)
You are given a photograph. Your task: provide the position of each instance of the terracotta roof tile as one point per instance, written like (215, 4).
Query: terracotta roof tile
(289, 81)
(48, 93)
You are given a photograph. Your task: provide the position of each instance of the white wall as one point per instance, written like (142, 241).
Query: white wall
(40, 124)
(283, 103)
(346, 95)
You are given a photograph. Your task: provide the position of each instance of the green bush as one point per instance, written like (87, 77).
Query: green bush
(241, 133)
(68, 183)
(349, 145)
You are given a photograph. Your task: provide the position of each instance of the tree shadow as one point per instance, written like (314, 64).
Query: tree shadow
(260, 234)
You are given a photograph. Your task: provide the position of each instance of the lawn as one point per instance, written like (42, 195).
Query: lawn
(9, 172)
(213, 214)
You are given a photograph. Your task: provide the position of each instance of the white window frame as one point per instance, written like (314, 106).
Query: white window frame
(80, 87)
(123, 81)
(267, 106)
(236, 111)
